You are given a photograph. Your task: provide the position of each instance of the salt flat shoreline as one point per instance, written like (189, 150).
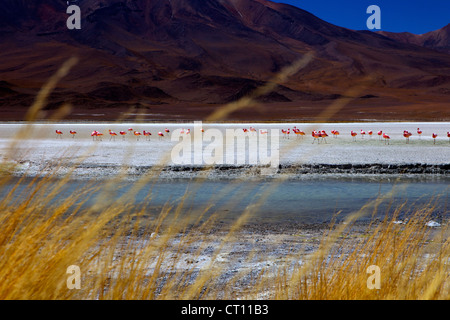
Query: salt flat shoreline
(86, 158)
(291, 172)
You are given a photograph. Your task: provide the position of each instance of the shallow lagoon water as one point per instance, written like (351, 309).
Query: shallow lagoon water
(302, 201)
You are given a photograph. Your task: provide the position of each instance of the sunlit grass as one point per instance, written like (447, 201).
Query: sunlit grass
(129, 250)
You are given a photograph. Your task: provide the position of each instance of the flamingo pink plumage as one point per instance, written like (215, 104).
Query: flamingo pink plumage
(419, 132)
(112, 134)
(386, 138)
(316, 135)
(147, 134)
(380, 133)
(335, 133)
(407, 134)
(324, 135)
(299, 132)
(434, 135)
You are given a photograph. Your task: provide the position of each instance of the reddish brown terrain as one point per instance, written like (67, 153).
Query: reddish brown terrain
(437, 40)
(182, 59)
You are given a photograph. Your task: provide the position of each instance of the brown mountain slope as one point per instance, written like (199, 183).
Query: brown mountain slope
(182, 59)
(437, 40)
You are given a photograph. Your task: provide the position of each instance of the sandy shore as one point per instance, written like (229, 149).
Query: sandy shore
(41, 150)
(237, 261)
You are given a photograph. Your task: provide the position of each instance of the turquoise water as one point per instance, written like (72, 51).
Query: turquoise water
(302, 201)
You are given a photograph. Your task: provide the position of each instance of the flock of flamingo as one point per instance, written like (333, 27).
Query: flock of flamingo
(319, 136)
(97, 135)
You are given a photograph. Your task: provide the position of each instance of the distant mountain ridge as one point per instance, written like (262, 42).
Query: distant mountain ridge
(184, 58)
(437, 40)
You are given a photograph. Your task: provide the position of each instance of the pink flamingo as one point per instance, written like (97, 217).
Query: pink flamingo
(73, 133)
(434, 135)
(137, 134)
(335, 133)
(300, 133)
(362, 134)
(448, 136)
(370, 132)
(316, 135)
(386, 138)
(419, 132)
(112, 134)
(261, 131)
(407, 134)
(160, 134)
(96, 135)
(123, 134)
(354, 134)
(58, 134)
(147, 134)
(284, 132)
(380, 133)
(323, 134)
(167, 131)
(130, 130)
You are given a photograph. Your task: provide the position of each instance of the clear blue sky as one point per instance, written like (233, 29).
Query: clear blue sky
(415, 16)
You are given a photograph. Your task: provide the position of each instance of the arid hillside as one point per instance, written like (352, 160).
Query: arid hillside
(183, 59)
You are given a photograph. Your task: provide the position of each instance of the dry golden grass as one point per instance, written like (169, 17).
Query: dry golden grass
(413, 263)
(127, 250)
